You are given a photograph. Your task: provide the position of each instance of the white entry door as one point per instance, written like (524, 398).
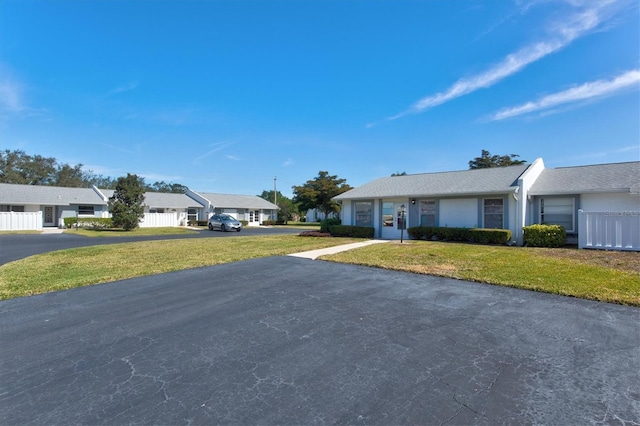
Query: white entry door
(393, 221)
(49, 219)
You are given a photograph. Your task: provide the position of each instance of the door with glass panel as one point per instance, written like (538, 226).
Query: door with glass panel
(393, 219)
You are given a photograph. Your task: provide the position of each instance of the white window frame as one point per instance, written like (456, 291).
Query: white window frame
(541, 213)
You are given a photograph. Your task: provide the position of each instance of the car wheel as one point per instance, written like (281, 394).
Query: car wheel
(238, 230)
(210, 227)
(223, 228)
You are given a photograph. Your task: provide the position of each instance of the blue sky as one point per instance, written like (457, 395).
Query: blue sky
(222, 96)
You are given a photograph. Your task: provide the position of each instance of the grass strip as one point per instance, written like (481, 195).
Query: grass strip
(65, 269)
(607, 277)
(138, 232)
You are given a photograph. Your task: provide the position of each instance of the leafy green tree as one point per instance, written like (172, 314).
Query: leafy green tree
(21, 168)
(399, 174)
(126, 203)
(287, 207)
(486, 161)
(317, 193)
(163, 186)
(68, 176)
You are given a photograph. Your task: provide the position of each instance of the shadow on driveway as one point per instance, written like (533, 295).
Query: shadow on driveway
(284, 340)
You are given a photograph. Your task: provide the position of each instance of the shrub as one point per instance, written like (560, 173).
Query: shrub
(351, 231)
(472, 235)
(198, 222)
(544, 235)
(328, 223)
(88, 222)
(268, 222)
(244, 222)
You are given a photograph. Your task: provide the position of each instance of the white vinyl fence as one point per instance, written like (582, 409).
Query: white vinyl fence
(14, 221)
(618, 230)
(159, 220)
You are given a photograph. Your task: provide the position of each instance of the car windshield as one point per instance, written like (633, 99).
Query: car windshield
(226, 217)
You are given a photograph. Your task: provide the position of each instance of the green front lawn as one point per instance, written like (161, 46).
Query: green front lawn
(64, 269)
(589, 274)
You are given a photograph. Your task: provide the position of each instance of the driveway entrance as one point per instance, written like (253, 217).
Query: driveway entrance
(284, 340)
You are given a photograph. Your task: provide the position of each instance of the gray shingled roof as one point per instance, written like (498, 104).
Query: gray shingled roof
(466, 182)
(163, 199)
(48, 195)
(614, 177)
(238, 201)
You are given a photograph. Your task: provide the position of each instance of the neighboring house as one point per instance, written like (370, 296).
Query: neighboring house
(250, 208)
(165, 209)
(315, 215)
(505, 197)
(38, 206)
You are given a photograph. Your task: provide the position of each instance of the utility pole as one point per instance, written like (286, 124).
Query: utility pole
(275, 195)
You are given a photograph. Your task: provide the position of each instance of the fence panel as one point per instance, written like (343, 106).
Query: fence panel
(609, 230)
(20, 221)
(159, 220)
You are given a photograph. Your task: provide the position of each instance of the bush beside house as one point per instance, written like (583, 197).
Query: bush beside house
(471, 235)
(544, 236)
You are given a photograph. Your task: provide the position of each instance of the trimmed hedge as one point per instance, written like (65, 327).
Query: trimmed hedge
(198, 223)
(326, 224)
(471, 235)
(351, 231)
(88, 222)
(268, 222)
(544, 235)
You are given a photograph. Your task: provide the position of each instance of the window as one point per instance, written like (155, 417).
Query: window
(428, 213)
(557, 211)
(254, 215)
(192, 214)
(16, 209)
(85, 210)
(363, 211)
(494, 213)
(387, 214)
(156, 210)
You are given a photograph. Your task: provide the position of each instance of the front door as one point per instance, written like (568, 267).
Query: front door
(393, 220)
(48, 216)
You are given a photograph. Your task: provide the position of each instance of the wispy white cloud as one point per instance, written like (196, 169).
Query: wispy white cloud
(232, 157)
(288, 162)
(562, 33)
(215, 147)
(124, 88)
(591, 90)
(11, 98)
(155, 177)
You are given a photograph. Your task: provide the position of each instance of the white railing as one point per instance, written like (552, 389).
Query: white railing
(159, 220)
(19, 221)
(612, 230)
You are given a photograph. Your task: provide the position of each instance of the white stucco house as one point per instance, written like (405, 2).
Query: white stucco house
(32, 207)
(250, 208)
(506, 198)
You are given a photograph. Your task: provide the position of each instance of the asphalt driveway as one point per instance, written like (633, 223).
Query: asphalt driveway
(284, 340)
(16, 246)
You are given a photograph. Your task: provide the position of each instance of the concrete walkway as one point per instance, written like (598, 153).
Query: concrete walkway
(314, 254)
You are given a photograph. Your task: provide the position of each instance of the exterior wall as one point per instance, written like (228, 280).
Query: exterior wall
(522, 210)
(459, 212)
(609, 202)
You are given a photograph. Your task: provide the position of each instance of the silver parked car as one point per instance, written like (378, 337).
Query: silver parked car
(224, 222)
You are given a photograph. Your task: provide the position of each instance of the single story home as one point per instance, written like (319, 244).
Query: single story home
(504, 198)
(250, 208)
(32, 207)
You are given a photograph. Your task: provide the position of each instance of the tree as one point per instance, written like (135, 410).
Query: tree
(486, 161)
(287, 207)
(398, 174)
(126, 203)
(163, 186)
(317, 193)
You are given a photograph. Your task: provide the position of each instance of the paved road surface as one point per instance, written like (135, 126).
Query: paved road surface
(284, 340)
